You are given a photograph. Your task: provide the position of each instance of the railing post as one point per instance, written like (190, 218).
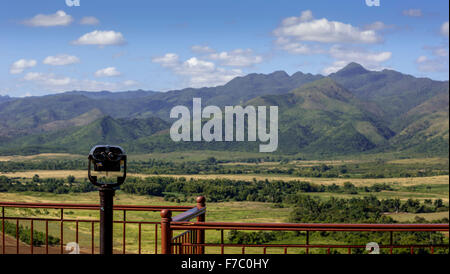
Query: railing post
(3, 230)
(166, 232)
(201, 232)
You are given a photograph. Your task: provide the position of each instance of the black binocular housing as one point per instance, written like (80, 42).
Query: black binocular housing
(106, 158)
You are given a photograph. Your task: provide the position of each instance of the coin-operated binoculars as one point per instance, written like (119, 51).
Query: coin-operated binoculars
(108, 162)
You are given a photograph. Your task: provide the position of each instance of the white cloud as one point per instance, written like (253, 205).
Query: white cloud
(337, 65)
(48, 79)
(61, 60)
(306, 35)
(203, 73)
(297, 47)
(4, 91)
(234, 58)
(413, 13)
(20, 65)
(306, 28)
(443, 52)
(107, 72)
(196, 66)
(424, 64)
(421, 59)
(54, 83)
(439, 51)
(89, 20)
(304, 17)
(198, 73)
(444, 29)
(202, 49)
(92, 85)
(168, 60)
(357, 55)
(377, 26)
(343, 56)
(130, 83)
(237, 58)
(101, 38)
(60, 18)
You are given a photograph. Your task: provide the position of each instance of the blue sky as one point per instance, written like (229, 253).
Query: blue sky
(49, 47)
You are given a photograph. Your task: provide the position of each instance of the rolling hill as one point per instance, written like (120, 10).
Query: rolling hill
(351, 111)
(394, 93)
(323, 117)
(105, 130)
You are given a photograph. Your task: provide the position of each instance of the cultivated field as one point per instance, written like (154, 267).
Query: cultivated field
(404, 188)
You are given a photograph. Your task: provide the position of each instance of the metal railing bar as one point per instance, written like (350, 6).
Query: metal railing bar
(309, 226)
(93, 206)
(189, 214)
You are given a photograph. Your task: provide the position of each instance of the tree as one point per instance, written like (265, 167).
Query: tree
(70, 179)
(36, 178)
(438, 203)
(211, 160)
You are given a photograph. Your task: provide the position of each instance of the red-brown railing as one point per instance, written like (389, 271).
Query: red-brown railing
(188, 242)
(16, 246)
(307, 228)
(191, 240)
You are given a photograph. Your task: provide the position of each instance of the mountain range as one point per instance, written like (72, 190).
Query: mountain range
(351, 111)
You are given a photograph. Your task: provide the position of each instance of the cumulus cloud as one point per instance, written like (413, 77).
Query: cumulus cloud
(92, 85)
(55, 83)
(425, 64)
(130, 83)
(168, 60)
(413, 13)
(437, 59)
(306, 28)
(343, 56)
(48, 79)
(358, 55)
(378, 26)
(20, 65)
(444, 29)
(202, 49)
(297, 47)
(237, 58)
(60, 18)
(195, 66)
(107, 72)
(4, 91)
(89, 20)
(305, 16)
(61, 60)
(439, 51)
(438, 62)
(198, 72)
(101, 38)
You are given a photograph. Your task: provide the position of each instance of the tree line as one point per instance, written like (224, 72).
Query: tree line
(211, 165)
(355, 210)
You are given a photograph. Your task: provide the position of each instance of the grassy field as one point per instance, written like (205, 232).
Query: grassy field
(43, 156)
(169, 156)
(408, 217)
(409, 181)
(227, 211)
(432, 187)
(235, 156)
